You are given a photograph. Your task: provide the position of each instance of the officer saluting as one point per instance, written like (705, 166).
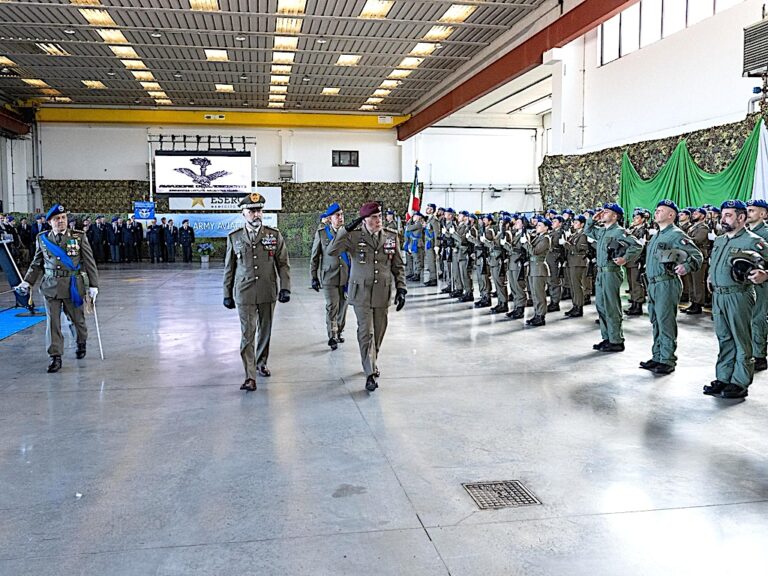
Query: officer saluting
(64, 258)
(256, 257)
(332, 274)
(376, 260)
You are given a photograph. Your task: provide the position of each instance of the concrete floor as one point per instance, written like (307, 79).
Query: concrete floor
(182, 474)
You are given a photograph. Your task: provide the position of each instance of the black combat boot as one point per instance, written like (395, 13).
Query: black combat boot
(370, 383)
(537, 321)
(467, 297)
(553, 307)
(80, 354)
(333, 343)
(55, 364)
(693, 309)
(516, 314)
(761, 364)
(575, 312)
(635, 309)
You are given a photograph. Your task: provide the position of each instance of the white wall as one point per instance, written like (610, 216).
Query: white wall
(15, 167)
(688, 81)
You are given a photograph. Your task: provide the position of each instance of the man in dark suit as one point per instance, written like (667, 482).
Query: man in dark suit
(171, 237)
(138, 238)
(154, 233)
(186, 239)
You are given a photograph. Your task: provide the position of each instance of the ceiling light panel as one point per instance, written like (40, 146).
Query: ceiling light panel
(53, 49)
(134, 64)
(281, 69)
(274, 89)
(291, 7)
(410, 62)
(423, 49)
(331, 91)
(381, 93)
(286, 43)
(204, 5)
(348, 60)
(61, 99)
(50, 92)
(216, 55)
(150, 86)
(283, 57)
(277, 97)
(278, 79)
(35, 83)
(457, 13)
(164, 102)
(438, 33)
(224, 88)
(374, 100)
(85, 2)
(390, 84)
(288, 25)
(5, 61)
(398, 73)
(112, 36)
(94, 84)
(158, 95)
(276, 104)
(145, 75)
(124, 52)
(98, 18)
(367, 107)
(376, 8)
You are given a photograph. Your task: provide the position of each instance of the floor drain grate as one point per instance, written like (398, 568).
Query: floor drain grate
(505, 494)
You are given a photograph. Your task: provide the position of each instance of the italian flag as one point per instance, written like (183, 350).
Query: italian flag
(414, 202)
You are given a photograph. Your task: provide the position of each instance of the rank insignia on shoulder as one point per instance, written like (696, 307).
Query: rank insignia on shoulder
(760, 246)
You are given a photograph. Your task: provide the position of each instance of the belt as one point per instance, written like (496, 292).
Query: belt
(664, 278)
(608, 268)
(731, 289)
(60, 273)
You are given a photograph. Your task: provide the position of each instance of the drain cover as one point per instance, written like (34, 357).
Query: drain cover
(505, 494)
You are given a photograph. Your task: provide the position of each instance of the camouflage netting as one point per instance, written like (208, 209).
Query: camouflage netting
(587, 180)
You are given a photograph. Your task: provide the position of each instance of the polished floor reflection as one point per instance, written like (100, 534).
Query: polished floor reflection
(153, 461)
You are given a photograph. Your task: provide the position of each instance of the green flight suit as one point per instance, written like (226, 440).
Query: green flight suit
(609, 277)
(760, 314)
(732, 307)
(665, 288)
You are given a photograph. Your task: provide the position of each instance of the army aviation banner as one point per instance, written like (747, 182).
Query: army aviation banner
(213, 225)
(201, 174)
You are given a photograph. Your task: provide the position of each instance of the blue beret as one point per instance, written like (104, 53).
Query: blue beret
(546, 221)
(668, 204)
(391, 212)
(464, 212)
(472, 215)
(451, 210)
(715, 209)
(551, 211)
(488, 216)
(737, 204)
(759, 203)
(11, 218)
(332, 209)
(417, 213)
(581, 218)
(704, 210)
(39, 217)
(568, 211)
(55, 210)
(114, 218)
(441, 208)
(613, 207)
(558, 218)
(589, 211)
(516, 215)
(432, 205)
(686, 211)
(506, 218)
(99, 216)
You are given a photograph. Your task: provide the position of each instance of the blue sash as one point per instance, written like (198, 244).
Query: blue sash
(344, 256)
(57, 251)
(430, 238)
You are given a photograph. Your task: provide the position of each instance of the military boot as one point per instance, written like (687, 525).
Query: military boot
(693, 309)
(537, 321)
(80, 354)
(575, 312)
(553, 307)
(55, 364)
(516, 314)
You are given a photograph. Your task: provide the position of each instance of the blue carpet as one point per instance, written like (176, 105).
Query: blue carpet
(10, 323)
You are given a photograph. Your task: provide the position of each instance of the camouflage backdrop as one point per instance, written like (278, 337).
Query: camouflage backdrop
(587, 180)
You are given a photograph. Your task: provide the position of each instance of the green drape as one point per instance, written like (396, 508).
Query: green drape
(683, 182)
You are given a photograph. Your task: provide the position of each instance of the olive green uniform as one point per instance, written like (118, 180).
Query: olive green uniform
(55, 286)
(517, 255)
(333, 274)
(465, 257)
(431, 237)
(376, 264)
(497, 261)
(732, 307)
(555, 259)
(576, 250)
(760, 314)
(609, 277)
(664, 289)
(482, 273)
(414, 248)
(538, 249)
(255, 259)
(636, 289)
(699, 233)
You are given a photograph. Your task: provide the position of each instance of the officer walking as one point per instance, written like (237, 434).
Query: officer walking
(376, 264)
(64, 259)
(256, 258)
(331, 273)
(614, 249)
(669, 255)
(186, 239)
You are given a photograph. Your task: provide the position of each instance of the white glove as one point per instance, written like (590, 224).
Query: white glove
(642, 241)
(503, 241)
(561, 241)
(450, 230)
(590, 240)
(483, 238)
(469, 236)
(653, 231)
(711, 235)
(23, 288)
(523, 239)
(444, 231)
(437, 249)
(93, 292)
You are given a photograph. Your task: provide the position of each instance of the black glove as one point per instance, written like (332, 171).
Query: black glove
(229, 303)
(284, 296)
(352, 225)
(315, 284)
(400, 298)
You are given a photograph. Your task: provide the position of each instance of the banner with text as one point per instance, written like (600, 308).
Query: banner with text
(200, 174)
(214, 225)
(272, 194)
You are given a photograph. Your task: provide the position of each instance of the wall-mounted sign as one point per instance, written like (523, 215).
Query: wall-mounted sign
(273, 195)
(208, 173)
(213, 225)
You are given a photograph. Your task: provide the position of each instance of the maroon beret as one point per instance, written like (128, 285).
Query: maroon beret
(369, 209)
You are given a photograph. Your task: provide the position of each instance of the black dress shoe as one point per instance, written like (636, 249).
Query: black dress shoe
(340, 339)
(249, 385)
(715, 388)
(263, 371)
(431, 283)
(732, 391)
(80, 354)
(333, 343)
(516, 314)
(636, 309)
(553, 307)
(761, 364)
(55, 364)
(613, 347)
(649, 364)
(537, 321)
(483, 303)
(693, 309)
(662, 369)
(575, 312)
(377, 373)
(370, 383)
(600, 345)
(446, 290)
(587, 300)
(466, 298)
(456, 294)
